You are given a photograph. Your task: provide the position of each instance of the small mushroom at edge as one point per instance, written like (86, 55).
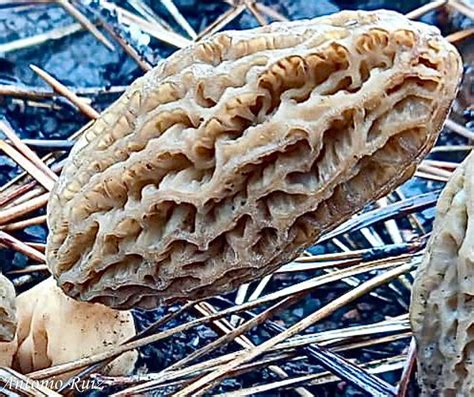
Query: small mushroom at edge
(54, 329)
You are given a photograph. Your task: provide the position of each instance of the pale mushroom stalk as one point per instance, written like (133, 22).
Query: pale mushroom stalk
(54, 329)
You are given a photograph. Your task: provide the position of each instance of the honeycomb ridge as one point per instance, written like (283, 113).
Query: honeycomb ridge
(234, 154)
(442, 299)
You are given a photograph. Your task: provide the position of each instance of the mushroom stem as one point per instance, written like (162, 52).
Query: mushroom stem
(54, 329)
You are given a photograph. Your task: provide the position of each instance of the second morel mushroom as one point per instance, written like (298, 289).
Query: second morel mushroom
(234, 154)
(441, 311)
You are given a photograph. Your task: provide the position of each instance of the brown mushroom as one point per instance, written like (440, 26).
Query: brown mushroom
(236, 153)
(441, 312)
(55, 329)
(7, 310)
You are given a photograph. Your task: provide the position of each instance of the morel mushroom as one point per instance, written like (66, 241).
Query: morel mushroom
(7, 310)
(54, 329)
(441, 311)
(234, 154)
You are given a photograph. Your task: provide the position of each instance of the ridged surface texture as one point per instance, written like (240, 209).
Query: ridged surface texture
(442, 308)
(234, 154)
(7, 310)
(54, 329)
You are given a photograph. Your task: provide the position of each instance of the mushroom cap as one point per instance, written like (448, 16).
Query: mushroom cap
(8, 319)
(54, 329)
(441, 311)
(234, 154)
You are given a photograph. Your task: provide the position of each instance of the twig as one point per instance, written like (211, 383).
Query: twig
(396, 324)
(149, 13)
(178, 17)
(391, 224)
(17, 245)
(459, 129)
(54, 34)
(351, 372)
(462, 8)
(371, 342)
(357, 256)
(430, 169)
(30, 269)
(223, 20)
(271, 12)
(424, 9)
(82, 19)
(251, 6)
(39, 220)
(429, 176)
(258, 319)
(343, 368)
(23, 208)
(27, 165)
(363, 254)
(88, 110)
(197, 369)
(41, 247)
(336, 336)
(460, 35)
(407, 369)
(127, 47)
(34, 192)
(56, 166)
(418, 203)
(260, 287)
(12, 194)
(152, 29)
(21, 91)
(25, 150)
(449, 165)
(49, 144)
(452, 148)
(373, 367)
